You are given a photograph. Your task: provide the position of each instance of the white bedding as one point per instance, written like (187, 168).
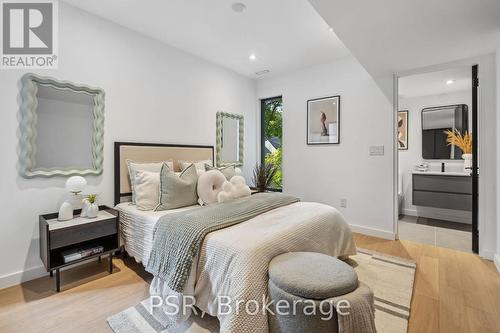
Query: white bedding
(234, 261)
(137, 229)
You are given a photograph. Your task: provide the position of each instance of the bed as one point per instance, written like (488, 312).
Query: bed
(136, 225)
(136, 229)
(232, 262)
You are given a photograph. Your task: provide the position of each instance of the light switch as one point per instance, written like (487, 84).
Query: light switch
(376, 150)
(343, 202)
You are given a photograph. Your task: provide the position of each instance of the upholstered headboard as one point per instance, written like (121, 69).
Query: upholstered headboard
(152, 152)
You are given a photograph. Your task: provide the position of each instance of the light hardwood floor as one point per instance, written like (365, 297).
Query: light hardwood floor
(453, 292)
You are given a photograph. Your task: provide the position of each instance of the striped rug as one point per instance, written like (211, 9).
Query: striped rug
(390, 278)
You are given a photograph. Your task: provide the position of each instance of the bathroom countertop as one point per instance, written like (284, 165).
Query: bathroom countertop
(439, 173)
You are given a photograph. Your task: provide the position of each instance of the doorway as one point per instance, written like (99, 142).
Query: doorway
(437, 178)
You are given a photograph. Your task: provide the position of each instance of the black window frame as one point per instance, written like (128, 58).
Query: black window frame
(262, 132)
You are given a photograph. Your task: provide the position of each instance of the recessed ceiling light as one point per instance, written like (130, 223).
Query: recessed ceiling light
(238, 7)
(330, 29)
(252, 57)
(450, 82)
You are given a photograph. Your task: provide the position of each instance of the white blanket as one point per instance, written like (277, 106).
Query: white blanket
(233, 262)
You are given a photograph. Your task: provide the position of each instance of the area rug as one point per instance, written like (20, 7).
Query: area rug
(390, 278)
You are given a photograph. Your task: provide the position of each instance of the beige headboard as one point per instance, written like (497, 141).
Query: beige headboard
(152, 152)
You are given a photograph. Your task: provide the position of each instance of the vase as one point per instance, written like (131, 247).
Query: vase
(89, 210)
(92, 210)
(467, 162)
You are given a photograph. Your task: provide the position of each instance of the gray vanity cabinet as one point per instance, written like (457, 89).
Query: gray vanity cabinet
(443, 191)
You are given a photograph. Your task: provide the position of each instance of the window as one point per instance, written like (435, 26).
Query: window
(271, 136)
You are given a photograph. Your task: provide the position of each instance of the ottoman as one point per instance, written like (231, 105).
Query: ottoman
(306, 289)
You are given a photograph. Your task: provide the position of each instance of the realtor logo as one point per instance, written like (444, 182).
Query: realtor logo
(29, 34)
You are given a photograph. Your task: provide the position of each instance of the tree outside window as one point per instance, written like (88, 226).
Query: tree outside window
(272, 127)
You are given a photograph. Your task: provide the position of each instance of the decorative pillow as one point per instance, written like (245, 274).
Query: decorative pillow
(147, 189)
(209, 185)
(133, 167)
(200, 165)
(177, 190)
(234, 189)
(228, 171)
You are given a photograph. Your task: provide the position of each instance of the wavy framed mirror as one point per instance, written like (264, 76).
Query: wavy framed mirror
(61, 128)
(229, 139)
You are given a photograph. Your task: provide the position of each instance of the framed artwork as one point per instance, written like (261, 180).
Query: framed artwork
(323, 120)
(403, 130)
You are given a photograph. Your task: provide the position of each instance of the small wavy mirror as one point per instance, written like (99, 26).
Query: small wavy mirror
(61, 129)
(229, 137)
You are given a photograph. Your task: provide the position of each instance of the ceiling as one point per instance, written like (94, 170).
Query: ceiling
(392, 36)
(434, 83)
(285, 35)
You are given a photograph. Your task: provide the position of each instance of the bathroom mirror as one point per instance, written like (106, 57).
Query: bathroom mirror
(61, 128)
(229, 137)
(435, 121)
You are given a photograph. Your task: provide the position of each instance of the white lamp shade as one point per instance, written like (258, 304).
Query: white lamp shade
(76, 184)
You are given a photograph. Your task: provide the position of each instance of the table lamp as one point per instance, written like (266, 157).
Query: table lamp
(75, 185)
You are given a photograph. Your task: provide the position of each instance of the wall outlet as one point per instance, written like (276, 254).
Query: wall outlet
(343, 203)
(376, 150)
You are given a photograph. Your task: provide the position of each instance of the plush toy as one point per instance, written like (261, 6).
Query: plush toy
(209, 185)
(233, 189)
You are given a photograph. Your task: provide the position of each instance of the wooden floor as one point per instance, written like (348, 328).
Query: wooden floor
(453, 292)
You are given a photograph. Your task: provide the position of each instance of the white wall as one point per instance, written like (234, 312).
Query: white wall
(413, 156)
(328, 173)
(154, 93)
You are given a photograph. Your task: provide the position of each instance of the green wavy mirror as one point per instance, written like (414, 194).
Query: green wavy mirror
(61, 128)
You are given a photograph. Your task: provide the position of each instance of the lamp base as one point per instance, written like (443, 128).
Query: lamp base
(65, 212)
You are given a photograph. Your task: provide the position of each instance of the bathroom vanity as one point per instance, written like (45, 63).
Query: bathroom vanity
(450, 190)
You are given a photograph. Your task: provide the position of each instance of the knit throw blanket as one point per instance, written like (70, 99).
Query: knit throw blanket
(178, 236)
(361, 317)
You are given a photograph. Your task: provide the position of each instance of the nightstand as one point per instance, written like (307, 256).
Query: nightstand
(60, 237)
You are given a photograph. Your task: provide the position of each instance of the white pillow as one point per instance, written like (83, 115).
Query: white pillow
(199, 165)
(209, 186)
(133, 167)
(147, 190)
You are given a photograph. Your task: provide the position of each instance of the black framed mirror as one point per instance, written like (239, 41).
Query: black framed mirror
(435, 121)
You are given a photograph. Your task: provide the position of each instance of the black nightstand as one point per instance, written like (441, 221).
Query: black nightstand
(57, 237)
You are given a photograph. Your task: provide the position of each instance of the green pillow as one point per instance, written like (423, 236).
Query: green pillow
(177, 190)
(228, 171)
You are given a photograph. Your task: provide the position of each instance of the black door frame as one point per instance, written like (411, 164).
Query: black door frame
(475, 174)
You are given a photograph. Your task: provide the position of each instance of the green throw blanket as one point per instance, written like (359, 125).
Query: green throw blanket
(178, 236)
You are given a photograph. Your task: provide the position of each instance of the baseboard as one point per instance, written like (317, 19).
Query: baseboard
(437, 215)
(497, 262)
(13, 279)
(373, 232)
(486, 254)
